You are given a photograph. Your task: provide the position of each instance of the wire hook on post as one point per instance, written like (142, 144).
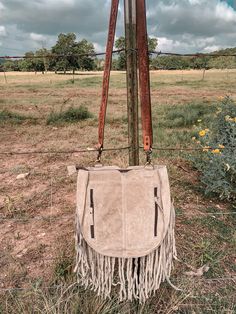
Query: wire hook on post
(99, 156)
(149, 156)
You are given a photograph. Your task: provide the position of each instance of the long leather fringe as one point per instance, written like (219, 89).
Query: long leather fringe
(137, 278)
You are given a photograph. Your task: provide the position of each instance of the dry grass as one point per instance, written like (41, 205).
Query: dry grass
(36, 254)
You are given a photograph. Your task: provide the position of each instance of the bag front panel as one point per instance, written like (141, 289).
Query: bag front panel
(123, 213)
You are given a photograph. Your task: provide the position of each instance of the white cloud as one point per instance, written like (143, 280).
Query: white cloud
(225, 12)
(58, 2)
(37, 37)
(98, 47)
(211, 48)
(3, 32)
(165, 44)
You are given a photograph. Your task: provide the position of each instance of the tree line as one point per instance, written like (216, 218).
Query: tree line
(64, 56)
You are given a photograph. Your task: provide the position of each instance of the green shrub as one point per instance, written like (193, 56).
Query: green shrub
(70, 115)
(217, 162)
(11, 117)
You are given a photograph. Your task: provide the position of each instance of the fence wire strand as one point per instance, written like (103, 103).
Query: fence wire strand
(53, 55)
(197, 55)
(97, 54)
(93, 150)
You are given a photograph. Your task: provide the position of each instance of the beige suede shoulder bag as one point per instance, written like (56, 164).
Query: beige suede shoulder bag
(125, 218)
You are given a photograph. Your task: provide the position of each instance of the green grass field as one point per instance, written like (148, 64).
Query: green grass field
(48, 112)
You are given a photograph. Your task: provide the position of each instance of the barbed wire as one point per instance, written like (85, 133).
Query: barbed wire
(197, 55)
(93, 150)
(50, 218)
(54, 55)
(75, 151)
(191, 148)
(95, 54)
(25, 219)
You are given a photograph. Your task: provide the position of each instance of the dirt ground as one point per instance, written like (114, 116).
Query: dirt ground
(37, 212)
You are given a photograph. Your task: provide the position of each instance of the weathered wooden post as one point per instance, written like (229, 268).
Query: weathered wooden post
(132, 80)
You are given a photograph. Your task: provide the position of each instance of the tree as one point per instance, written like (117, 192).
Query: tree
(120, 44)
(10, 65)
(85, 62)
(71, 50)
(42, 61)
(65, 46)
(28, 63)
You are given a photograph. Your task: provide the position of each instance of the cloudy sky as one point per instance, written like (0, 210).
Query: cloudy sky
(180, 25)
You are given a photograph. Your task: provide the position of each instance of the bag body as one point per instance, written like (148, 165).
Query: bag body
(125, 221)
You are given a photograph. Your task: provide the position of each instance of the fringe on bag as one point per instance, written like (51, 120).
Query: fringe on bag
(137, 278)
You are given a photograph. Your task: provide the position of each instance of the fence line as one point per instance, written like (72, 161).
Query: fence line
(197, 55)
(75, 151)
(92, 150)
(95, 54)
(51, 218)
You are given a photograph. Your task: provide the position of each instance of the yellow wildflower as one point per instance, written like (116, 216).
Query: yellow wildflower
(216, 151)
(202, 133)
(221, 146)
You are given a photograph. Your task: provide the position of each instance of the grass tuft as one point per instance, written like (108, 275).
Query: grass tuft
(70, 115)
(12, 118)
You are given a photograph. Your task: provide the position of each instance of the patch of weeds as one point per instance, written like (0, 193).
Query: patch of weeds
(10, 209)
(210, 253)
(13, 118)
(189, 83)
(70, 115)
(223, 231)
(18, 169)
(217, 165)
(187, 221)
(172, 138)
(117, 120)
(63, 268)
(179, 211)
(220, 302)
(180, 116)
(158, 84)
(83, 82)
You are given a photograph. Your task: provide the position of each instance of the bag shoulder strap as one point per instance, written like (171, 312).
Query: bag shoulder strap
(107, 71)
(144, 75)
